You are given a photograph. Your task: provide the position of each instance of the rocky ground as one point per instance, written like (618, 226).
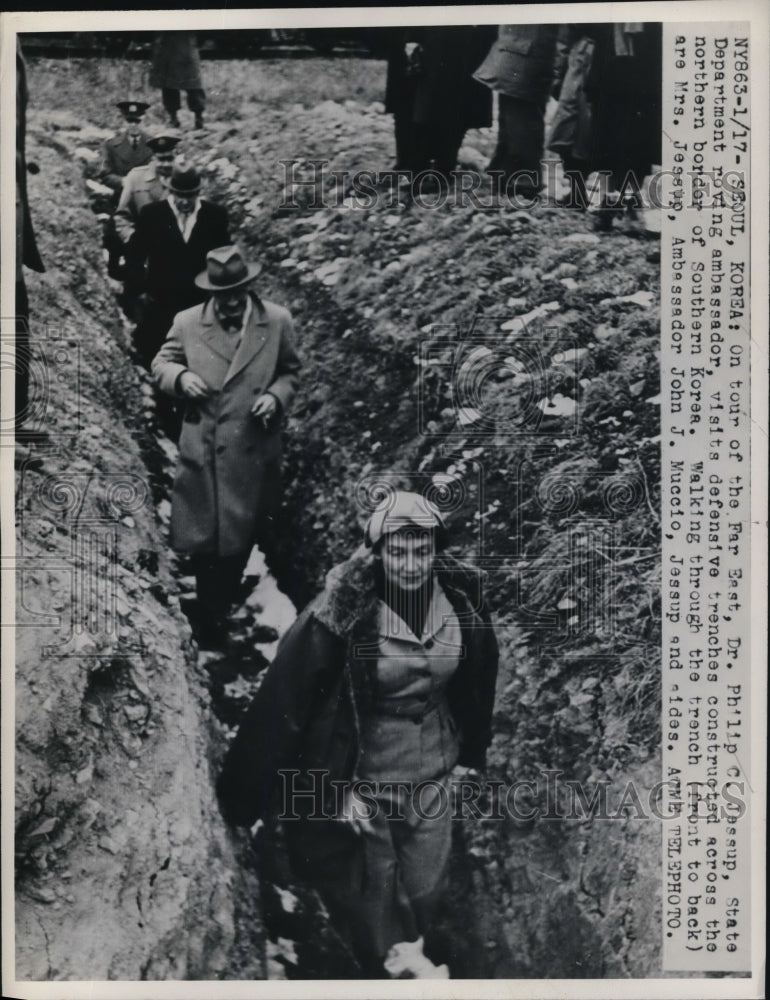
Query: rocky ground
(507, 358)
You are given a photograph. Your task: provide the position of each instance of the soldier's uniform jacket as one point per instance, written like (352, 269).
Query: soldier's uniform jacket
(119, 156)
(141, 186)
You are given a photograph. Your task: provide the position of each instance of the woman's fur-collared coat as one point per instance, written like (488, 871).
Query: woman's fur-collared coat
(314, 700)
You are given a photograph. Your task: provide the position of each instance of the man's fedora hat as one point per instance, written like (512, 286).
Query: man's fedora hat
(184, 181)
(163, 141)
(226, 267)
(133, 109)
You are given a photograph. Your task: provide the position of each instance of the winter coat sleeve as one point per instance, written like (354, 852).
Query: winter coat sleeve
(137, 250)
(220, 227)
(108, 172)
(287, 367)
(474, 693)
(269, 736)
(170, 361)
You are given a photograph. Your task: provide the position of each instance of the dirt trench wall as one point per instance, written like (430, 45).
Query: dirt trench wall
(125, 869)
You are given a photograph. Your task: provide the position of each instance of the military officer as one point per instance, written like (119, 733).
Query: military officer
(127, 149)
(120, 154)
(147, 183)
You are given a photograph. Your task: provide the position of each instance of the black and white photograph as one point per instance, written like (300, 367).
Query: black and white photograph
(383, 452)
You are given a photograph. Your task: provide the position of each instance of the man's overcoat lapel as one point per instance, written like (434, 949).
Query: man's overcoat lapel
(213, 335)
(254, 339)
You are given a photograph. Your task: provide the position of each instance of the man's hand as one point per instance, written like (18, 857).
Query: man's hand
(193, 386)
(265, 406)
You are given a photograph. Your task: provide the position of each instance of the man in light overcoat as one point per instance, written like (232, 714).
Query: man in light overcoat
(146, 184)
(232, 359)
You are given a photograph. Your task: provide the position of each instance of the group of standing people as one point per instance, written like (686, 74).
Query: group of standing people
(607, 78)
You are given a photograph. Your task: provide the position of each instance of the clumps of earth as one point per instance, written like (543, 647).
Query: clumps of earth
(506, 360)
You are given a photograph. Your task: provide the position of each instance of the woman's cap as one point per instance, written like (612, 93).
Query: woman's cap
(402, 509)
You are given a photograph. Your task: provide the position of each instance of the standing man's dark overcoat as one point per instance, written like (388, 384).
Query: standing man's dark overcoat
(162, 266)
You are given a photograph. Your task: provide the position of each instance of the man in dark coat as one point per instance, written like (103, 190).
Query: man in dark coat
(27, 254)
(520, 67)
(233, 361)
(146, 184)
(165, 253)
(624, 86)
(432, 94)
(176, 67)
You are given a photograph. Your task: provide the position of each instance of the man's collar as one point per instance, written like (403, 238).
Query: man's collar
(196, 207)
(244, 318)
(209, 316)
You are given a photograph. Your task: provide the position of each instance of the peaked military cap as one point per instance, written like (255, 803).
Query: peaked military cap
(133, 109)
(163, 141)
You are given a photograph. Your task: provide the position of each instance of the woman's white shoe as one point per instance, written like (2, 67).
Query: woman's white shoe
(406, 960)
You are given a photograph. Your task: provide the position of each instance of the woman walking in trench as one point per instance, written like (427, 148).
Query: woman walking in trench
(384, 683)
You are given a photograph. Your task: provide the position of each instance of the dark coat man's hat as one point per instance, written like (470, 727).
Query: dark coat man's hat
(184, 181)
(226, 267)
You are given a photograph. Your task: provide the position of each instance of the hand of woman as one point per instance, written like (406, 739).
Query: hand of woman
(355, 812)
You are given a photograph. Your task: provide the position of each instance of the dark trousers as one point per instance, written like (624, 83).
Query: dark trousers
(217, 580)
(114, 246)
(153, 321)
(404, 134)
(172, 100)
(425, 145)
(520, 138)
(437, 146)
